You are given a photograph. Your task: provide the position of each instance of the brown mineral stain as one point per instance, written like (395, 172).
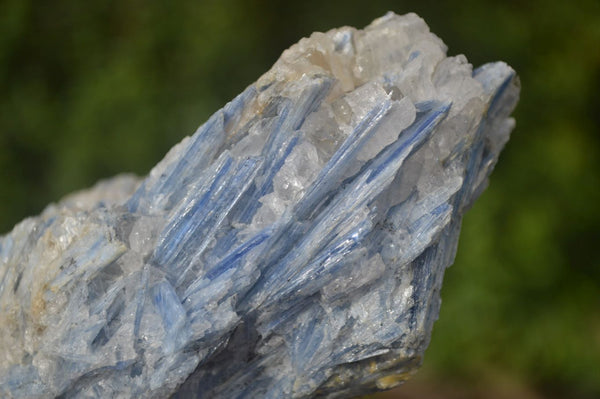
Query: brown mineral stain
(392, 381)
(38, 305)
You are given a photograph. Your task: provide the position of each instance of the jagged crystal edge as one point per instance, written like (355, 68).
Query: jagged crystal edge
(294, 246)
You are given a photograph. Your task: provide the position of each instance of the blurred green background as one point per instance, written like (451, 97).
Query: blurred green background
(89, 89)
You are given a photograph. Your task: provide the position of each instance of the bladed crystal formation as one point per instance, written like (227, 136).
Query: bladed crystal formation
(294, 246)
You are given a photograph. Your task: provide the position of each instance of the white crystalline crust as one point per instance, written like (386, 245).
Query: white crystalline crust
(293, 246)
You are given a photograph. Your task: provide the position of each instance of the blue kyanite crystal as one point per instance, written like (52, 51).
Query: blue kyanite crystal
(294, 246)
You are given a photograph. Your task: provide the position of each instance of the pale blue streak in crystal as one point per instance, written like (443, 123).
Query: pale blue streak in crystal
(171, 311)
(335, 168)
(194, 226)
(393, 156)
(234, 259)
(286, 136)
(177, 235)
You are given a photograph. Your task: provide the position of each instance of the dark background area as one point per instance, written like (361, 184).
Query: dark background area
(90, 89)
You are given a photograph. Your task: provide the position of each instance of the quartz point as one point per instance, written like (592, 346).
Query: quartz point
(294, 246)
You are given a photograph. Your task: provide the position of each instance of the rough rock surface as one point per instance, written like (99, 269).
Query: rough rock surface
(294, 246)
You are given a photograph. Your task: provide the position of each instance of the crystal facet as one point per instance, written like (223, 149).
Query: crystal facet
(294, 246)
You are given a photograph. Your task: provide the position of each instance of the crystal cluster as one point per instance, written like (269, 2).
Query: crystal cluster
(294, 246)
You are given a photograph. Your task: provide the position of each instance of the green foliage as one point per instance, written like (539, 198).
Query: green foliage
(91, 89)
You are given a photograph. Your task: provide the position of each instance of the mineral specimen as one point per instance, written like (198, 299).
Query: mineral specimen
(294, 246)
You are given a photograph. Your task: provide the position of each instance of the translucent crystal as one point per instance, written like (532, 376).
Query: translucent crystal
(294, 246)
